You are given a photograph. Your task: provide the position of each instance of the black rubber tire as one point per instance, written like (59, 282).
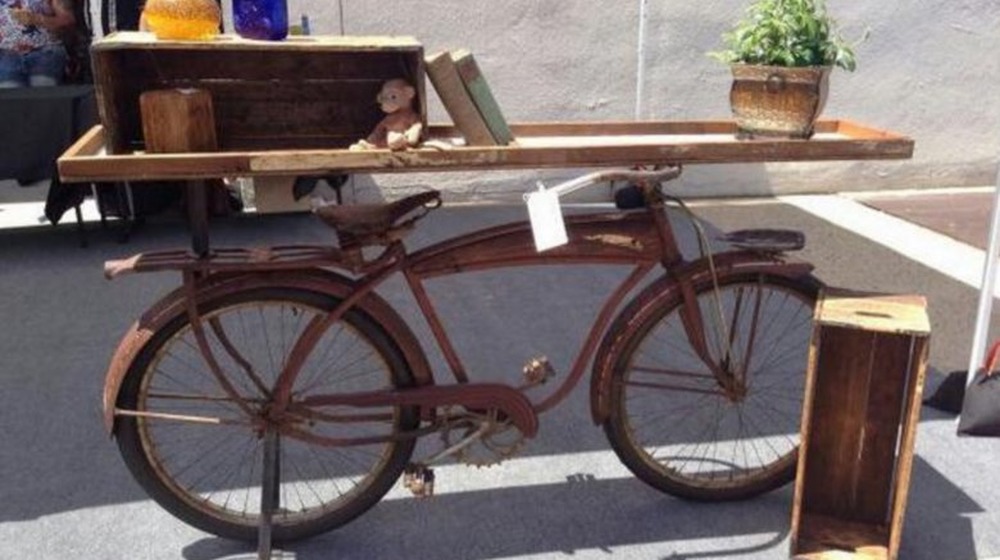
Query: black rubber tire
(667, 478)
(141, 460)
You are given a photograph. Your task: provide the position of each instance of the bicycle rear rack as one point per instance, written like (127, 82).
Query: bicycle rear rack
(288, 257)
(766, 240)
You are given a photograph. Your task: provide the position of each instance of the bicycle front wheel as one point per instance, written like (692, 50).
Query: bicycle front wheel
(725, 432)
(207, 472)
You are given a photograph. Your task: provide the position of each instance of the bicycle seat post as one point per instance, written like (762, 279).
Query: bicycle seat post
(653, 199)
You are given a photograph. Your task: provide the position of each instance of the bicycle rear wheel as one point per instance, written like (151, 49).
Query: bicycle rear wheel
(209, 474)
(683, 431)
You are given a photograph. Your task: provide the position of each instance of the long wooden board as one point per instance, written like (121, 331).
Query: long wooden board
(542, 145)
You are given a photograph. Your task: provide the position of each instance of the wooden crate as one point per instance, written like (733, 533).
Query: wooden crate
(273, 195)
(304, 92)
(862, 404)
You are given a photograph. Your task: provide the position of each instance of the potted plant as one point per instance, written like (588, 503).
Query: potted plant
(781, 57)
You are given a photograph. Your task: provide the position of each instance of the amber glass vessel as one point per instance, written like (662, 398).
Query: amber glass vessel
(182, 19)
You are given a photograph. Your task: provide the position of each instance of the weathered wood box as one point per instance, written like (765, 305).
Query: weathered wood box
(301, 93)
(859, 422)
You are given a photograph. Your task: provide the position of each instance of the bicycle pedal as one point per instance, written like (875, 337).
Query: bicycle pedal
(419, 480)
(538, 370)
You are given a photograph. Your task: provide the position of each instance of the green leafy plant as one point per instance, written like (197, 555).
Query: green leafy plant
(787, 33)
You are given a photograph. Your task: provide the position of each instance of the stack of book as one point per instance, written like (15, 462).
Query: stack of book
(467, 98)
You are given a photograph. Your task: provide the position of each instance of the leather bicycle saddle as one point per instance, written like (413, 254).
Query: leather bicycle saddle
(368, 224)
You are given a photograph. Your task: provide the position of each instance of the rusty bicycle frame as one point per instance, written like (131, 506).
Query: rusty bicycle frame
(641, 239)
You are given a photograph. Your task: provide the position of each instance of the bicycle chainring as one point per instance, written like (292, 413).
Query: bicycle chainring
(501, 441)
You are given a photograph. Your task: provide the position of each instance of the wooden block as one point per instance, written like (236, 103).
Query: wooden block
(481, 94)
(862, 404)
(456, 100)
(178, 120)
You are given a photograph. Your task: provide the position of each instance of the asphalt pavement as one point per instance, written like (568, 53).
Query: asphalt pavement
(66, 494)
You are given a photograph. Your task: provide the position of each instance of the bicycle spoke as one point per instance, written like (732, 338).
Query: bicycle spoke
(684, 406)
(696, 443)
(301, 477)
(767, 440)
(203, 374)
(234, 475)
(680, 349)
(672, 372)
(668, 387)
(307, 381)
(267, 343)
(328, 475)
(803, 325)
(753, 444)
(654, 419)
(220, 448)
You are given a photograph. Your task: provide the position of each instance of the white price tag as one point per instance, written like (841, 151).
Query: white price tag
(546, 219)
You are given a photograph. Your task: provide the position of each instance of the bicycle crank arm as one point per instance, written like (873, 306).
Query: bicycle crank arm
(473, 396)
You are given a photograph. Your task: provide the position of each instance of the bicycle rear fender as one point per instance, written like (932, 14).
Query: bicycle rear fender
(663, 289)
(318, 280)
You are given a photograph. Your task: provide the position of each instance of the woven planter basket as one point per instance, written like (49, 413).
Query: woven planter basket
(778, 101)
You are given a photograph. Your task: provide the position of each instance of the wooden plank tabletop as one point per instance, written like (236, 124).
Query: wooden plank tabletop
(541, 145)
(146, 40)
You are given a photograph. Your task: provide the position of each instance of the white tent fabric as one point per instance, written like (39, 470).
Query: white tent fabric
(980, 337)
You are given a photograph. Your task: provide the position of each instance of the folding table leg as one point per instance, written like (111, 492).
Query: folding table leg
(81, 230)
(123, 195)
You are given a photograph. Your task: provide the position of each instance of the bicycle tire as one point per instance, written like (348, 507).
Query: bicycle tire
(656, 354)
(198, 502)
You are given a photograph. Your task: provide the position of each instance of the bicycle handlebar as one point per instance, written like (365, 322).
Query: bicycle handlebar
(638, 176)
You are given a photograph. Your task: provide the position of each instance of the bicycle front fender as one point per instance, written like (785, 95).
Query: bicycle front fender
(323, 281)
(664, 289)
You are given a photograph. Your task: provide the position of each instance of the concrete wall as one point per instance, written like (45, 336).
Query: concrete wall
(930, 69)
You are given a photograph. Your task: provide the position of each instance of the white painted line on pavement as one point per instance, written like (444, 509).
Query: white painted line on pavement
(939, 252)
(524, 472)
(903, 193)
(32, 214)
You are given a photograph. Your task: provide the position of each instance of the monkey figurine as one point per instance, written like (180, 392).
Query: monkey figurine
(401, 128)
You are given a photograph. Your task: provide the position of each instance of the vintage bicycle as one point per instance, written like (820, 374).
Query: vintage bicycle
(276, 388)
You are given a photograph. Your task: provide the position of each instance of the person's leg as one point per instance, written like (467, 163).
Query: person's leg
(46, 67)
(11, 70)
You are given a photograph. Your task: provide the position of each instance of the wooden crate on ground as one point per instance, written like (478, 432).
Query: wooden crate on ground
(304, 92)
(862, 404)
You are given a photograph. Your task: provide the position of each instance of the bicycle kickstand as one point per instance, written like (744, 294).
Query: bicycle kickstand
(269, 493)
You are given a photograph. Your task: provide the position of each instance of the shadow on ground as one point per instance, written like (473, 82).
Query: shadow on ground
(64, 320)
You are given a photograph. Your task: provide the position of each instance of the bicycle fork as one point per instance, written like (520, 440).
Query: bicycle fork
(730, 375)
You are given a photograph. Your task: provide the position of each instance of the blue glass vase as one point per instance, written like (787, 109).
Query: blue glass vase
(264, 20)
